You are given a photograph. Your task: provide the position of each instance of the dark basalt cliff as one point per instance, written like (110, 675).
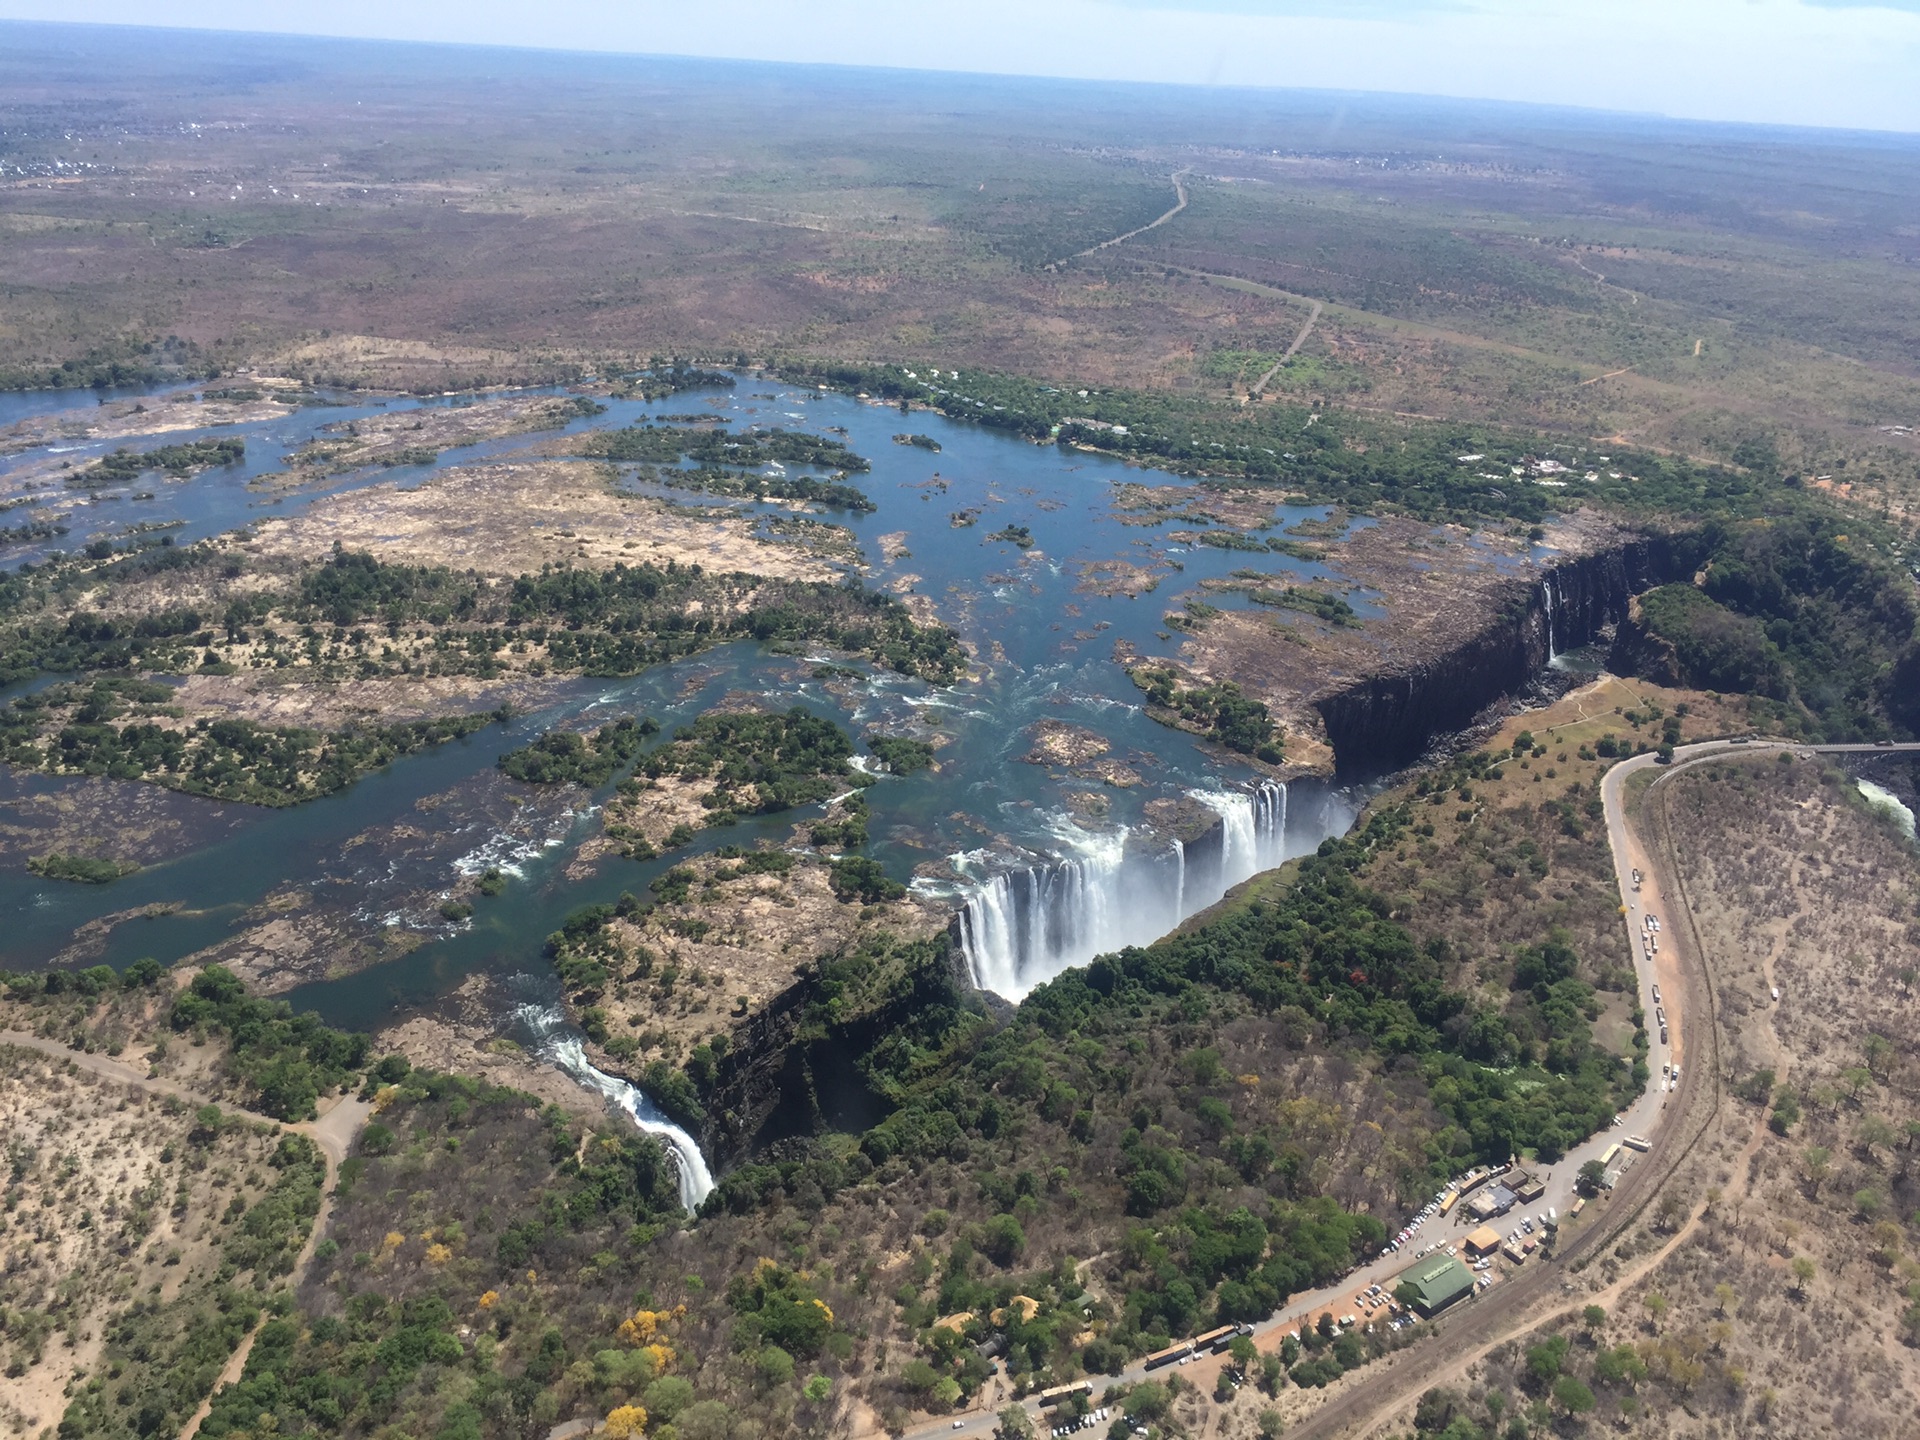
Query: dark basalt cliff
(1638, 651)
(790, 1067)
(1391, 719)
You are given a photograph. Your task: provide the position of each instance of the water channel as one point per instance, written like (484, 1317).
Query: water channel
(1044, 876)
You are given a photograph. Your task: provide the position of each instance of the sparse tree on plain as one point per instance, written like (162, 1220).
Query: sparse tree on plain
(1656, 1304)
(1803, 1270)
(1877, 1050)
(1875, 1131)
(1817, 1160)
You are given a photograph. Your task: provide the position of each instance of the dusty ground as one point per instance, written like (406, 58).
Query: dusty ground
(118, 419)
(465, 1040)
(1771, 1254)
(123, 820)
(697, 968)
(413, 436)
(270, 697)
(1439, 587)
(1078, 751)
(640, 816)
(109, 1198)
(510, 518)
(1524, 854)
(419, 366)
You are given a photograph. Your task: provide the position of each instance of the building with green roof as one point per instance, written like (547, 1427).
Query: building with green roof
(1435, 1283)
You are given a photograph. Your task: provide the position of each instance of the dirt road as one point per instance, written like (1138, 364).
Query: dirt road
(332, 1133)
(1180, 203)
(1293, 349)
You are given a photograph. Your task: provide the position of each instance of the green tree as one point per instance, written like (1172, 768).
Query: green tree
(667, 1397)
(1593, 1317)
(1786, 1111)
(1803, 1270)
(1573, 1395)
(707, 1420)
(776, 1366)
(1876, 1049)
(1875, 1132)
(1817, 1160)
(1656, 1304)
(1545, 1359)
(1148, 1401)
(1620, 1366)
(1013, 1423)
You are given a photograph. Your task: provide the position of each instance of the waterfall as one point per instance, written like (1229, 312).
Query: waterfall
(1546, 600)
(565, 1050)
(1022, 927)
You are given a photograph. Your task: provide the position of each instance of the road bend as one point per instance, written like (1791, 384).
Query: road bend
(1671, 1115)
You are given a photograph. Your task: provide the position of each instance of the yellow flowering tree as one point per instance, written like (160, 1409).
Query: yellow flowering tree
(625, 1421)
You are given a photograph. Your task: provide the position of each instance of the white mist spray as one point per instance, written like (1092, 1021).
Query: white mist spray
(1022, 927)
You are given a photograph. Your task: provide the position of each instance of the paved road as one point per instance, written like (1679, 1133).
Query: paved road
(1683, 981)
(1479, 1321)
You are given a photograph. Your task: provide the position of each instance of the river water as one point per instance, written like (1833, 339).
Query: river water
(1043, 876)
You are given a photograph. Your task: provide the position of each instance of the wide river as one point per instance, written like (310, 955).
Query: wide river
(1044, 879)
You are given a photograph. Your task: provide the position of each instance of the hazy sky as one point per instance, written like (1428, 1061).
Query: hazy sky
(1810, 62)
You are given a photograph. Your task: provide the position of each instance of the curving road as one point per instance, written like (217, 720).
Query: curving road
(332, 1133)
(1685, 984)
(1180, 203)
(1511, 1304)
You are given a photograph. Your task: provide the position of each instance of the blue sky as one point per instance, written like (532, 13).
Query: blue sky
(1803, 62)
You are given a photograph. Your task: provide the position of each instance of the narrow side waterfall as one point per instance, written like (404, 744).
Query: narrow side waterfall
(1884, 799)
(564, 1050)
(1021, 928)
(1546, 601)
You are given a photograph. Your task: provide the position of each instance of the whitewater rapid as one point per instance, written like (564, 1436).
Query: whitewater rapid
(561, 1047)
(1882, 798)
(1022, 927)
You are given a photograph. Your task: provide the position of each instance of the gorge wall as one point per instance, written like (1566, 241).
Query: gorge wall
(790, 1067)
(1391, 719)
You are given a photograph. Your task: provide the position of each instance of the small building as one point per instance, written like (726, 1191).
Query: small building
(1514, 1253)
(1483, 1241)
(1436, 1284)
(1495, 1200)
(1526, 1188)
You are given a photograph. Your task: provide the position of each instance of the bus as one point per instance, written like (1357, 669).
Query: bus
(1215, 1340)
(1448, 1201)
(1167, 1356)
(1060, 1394)
(1613, 1153)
